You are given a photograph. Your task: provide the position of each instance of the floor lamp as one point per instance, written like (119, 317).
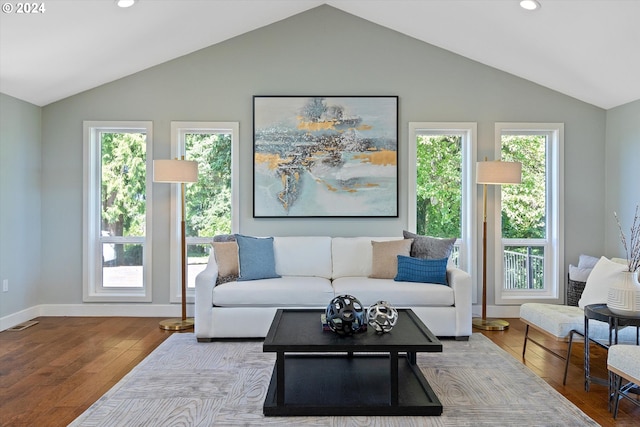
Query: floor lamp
(492, 173)
(179, 172)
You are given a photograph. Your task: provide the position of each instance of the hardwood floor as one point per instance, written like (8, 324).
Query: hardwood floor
(52, 372)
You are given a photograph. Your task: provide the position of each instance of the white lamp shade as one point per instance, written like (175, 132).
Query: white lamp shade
(175, 171)
(498, 172)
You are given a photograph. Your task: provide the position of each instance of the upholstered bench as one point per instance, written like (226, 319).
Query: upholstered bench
(623, 362)
(587, 284)
(562, 322)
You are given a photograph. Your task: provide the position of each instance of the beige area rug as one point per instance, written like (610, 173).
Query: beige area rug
(186, 383)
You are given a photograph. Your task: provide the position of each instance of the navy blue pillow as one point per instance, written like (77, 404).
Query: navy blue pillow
(256, 259)
(421, 270)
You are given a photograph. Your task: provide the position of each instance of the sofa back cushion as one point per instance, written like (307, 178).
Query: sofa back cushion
(303, 256)
(352, 256)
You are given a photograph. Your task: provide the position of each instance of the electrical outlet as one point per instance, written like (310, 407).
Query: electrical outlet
(5, 285)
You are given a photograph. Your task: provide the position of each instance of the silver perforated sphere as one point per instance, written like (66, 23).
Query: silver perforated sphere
(382, 316)
(345, 315)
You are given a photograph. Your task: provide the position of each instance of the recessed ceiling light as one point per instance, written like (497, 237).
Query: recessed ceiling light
(530, 4)
(125, 3)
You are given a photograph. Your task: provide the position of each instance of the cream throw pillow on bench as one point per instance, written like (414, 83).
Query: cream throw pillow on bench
(604, 273)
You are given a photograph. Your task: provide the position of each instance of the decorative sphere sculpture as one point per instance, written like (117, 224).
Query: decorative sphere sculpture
(345, 315)
(382, 316)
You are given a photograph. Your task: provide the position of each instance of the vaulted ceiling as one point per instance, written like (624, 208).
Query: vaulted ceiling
(587, 49)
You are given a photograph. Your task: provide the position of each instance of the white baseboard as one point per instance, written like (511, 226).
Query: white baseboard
(16, 318)
(94, 310)
(165, 310)
(499, 311)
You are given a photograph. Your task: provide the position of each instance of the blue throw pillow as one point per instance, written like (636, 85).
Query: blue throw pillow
(255, 258)
(421, 270)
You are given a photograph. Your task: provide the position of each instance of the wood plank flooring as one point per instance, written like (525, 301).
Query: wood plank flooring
(52, 372)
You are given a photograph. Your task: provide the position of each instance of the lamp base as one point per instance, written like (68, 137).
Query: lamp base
(490, 324)
(176, 324)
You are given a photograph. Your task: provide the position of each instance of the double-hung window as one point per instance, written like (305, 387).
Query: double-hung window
(211, 203)
(529, 216)
(117, 211)
(442, 196)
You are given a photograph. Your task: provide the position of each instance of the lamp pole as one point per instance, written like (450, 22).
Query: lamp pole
(496, 173)
(178, 171)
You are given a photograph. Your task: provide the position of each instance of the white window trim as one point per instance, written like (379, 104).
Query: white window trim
(178, 129)
(469, 130)
(92, 289)
(553, 264)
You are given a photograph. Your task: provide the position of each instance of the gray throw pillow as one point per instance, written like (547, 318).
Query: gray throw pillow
(427, 247)
(224, 238)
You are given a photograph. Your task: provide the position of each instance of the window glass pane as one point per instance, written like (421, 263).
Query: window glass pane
(115, 199)
(530, 214)
(122, 265)
(208, 202)
(439, 185)
(524, 267)
(524, 205)
(123, 183)
(109, 255)
(454, 258)
(197, 256)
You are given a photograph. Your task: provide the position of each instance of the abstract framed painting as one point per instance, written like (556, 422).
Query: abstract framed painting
(325, 156)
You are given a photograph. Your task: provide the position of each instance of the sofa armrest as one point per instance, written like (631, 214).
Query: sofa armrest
(205, 282)
(460, 282)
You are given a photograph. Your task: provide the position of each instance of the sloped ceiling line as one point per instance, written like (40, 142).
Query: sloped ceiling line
(585, 49)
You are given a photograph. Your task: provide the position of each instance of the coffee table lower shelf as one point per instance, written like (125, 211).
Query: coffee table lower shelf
(354, 385)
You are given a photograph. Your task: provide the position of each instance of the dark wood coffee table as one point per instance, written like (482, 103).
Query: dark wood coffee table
(357, 375)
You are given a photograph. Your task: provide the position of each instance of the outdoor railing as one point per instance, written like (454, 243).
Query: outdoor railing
(523, 270)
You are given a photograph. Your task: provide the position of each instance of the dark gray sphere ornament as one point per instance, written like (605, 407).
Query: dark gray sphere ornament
(345, 315)
(382, 316)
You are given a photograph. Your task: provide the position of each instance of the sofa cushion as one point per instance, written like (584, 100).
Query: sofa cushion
(427, 247)
(255, 258)
(286, 291)
(352, 256)
(303, 256)
(398, 294)
(422, 270)
(226, 256)
(597, 287)
(384, 257)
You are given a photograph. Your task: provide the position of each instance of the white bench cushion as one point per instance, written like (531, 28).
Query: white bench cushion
(559, 320)
(625, 359)
(399, 294)
(286, 291)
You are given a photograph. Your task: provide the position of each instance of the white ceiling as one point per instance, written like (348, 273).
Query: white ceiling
(588, 49)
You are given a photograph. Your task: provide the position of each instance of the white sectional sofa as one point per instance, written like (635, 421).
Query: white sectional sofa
(313, 270)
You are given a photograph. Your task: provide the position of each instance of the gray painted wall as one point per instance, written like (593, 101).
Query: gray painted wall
(20, 199)
(320, 52)
(623, 177)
